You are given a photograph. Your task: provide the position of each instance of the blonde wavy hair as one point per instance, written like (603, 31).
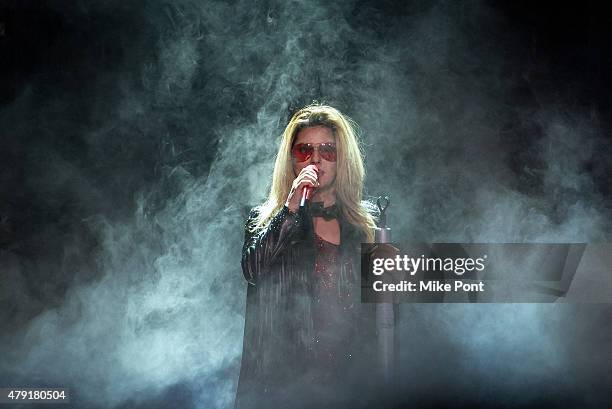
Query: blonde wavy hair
(350, 171)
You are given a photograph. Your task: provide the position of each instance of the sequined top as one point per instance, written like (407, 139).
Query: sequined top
(332, 305)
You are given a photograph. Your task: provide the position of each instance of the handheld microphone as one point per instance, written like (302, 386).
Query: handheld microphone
(307, 190)
(305, 196)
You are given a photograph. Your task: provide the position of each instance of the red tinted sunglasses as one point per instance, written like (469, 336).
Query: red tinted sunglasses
(303, 151)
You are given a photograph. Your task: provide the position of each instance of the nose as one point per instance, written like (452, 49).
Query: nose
(316, 157)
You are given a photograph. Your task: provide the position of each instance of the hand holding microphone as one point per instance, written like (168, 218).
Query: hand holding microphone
(302, 187)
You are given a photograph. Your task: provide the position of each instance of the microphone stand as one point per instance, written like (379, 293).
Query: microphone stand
(387, 313)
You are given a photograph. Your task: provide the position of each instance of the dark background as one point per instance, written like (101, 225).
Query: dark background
(134, 134)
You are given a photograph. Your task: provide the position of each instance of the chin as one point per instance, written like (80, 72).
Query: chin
(325, 186)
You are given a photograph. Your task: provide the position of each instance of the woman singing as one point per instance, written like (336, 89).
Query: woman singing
(308, 339)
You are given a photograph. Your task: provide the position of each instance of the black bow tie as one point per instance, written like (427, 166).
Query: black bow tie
(328, 213)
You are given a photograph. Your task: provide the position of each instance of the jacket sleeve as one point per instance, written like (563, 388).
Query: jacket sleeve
(262, 249)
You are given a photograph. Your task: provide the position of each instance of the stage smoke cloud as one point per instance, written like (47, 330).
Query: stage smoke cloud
(137, 134)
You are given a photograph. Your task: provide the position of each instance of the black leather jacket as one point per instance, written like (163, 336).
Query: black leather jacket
(278, 264)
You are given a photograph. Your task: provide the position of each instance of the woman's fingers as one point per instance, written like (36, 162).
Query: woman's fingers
(309, 178)
(308, 172)
(307, 182)
(311, 167)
